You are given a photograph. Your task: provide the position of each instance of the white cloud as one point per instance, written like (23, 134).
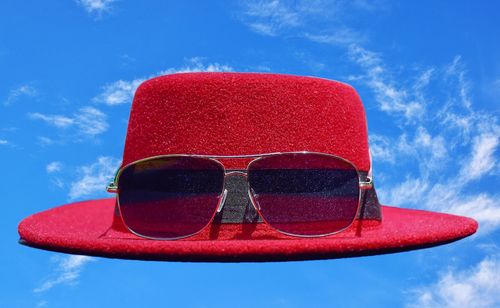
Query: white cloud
(67, 272)
(434, 139)
(434, 144)
(382, 148)
(23, 90)
(316, 20)
(482, 207)
(452, 144)
(122, 91)
(263, 29)
(433, 111)
(482, 159)
(93, 178)
(54, 167)
(390, 98)
(478, 286)
(57, 182)
(463, 85)
(447, 194)
(423, 80)
(410, 191)
(196, 64)
(118, 92)
(428, 152)
(269, 17)
(261, 68)
(55, 120)
(96, 6)
(340, 37)
(42, 140)
(91, 121)
(431, 150)
(3, 142)
(86, 122)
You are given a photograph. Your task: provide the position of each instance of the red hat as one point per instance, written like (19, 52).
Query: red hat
(239, 114)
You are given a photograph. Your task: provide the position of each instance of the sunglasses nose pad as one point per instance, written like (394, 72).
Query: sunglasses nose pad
(252, 195)
(223, 199)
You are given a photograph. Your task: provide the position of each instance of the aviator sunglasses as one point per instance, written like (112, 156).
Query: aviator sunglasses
(304, 194)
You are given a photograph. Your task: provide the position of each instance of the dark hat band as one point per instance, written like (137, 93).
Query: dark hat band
(239, 209)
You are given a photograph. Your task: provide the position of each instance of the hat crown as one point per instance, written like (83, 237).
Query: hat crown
(246, 113)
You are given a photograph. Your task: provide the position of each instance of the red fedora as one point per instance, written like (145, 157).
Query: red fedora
(234, 114)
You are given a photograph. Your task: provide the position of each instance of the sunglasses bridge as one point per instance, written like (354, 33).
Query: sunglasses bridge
(222, 198)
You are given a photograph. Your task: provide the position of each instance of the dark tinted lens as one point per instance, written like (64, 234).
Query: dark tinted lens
(305, 194)
(170, 197)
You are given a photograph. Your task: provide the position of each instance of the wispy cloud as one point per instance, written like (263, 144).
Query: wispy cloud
(410, 191)
(122, 91)
(67, 272)
(478, 286)
(309, 60)
(269, 17)
(86, 122)
(196, 64)
(92, 179)
(390, 97)
(59, 121)
(381, 148)
(42, 303)
(324, 22)
(97, 7)
(54, 170)
(451, 125)
(456, 68)
(19, 92)
(436, 126)
(342, 36)
(3, 142)
(315, 20)
(44, 141)
(54, 167)
(118, 92)
(91, 121)
(482, 159)
(428, 152)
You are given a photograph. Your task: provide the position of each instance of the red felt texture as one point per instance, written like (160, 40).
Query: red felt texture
(237, 114)
(86, 228)
(246, 113)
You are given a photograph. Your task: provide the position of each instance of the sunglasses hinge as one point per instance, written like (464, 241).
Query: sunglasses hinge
(112, 188)
(365, 185)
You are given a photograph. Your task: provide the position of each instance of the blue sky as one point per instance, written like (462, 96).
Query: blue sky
(428, 73)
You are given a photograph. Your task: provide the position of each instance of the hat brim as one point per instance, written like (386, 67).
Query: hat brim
(89, 228)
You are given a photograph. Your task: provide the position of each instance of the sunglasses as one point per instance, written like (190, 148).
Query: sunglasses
(304, 194)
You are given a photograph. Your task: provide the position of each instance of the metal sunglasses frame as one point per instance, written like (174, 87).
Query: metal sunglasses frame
(366, 184)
